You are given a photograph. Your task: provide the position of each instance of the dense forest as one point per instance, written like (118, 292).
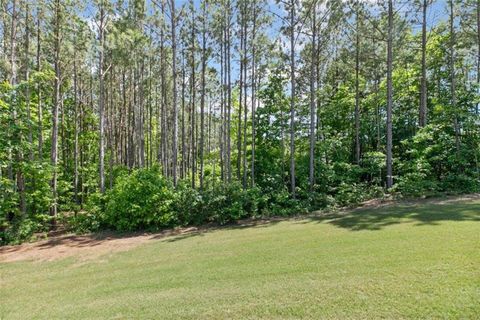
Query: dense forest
(146, 114)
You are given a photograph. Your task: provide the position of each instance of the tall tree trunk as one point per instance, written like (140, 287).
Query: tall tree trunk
(193, 94)
(76, 133)
(240, 96)
(20, 183)
(27, 79)
(245, 106)
(357, 85)
(39, 90)
(221, 136)
(389, 95)
(174, 102)
(292, 98)
(13, 44)
(141, 114)
(5, 58)
(101, 101)
(184, 155)
(313, 78)
(202, 100)
(110, 127)
(422, 119)
(254, 88)
(163, 102)
(229, 91)
(453, 76)
(56, 106)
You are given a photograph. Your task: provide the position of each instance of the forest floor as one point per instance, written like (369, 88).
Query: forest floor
(394, 259)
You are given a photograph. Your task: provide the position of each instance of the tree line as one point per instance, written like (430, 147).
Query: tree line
(307, 103)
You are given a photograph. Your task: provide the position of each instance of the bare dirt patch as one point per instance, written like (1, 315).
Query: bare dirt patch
(83, 247)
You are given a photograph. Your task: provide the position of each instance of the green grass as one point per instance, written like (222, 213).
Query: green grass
(408, 261)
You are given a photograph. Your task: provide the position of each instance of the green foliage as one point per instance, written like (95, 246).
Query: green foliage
(138, 101)
(84, 222)
(141, 200)
(187, 204)
(433, 164)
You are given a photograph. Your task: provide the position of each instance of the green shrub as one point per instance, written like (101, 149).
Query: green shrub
(461, 183)
(225, 203)
(187, 204)
(20, 230)
(141, 200)
(84, 222)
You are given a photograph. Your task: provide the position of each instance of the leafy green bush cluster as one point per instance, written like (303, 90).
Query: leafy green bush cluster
(142, 200)
(145, 200)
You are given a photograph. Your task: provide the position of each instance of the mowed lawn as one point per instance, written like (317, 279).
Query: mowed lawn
(412, 261)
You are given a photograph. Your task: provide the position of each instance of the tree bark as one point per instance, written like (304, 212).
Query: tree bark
(39, 90)
(254, 88)
(202, 100)
(389, 95)
(292, 98)
(56, 106)
(101, 101)
(357, 84)
(313, 79)
(453, 77)
(193, 91)
(422, 119)
(174, 102)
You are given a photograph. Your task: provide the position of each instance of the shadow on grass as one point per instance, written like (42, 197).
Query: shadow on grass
(117, 239)
(201, 231)
(419, 214)
(354, 220)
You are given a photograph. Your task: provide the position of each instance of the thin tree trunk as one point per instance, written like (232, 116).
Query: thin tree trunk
(453, 76)
(39, 90)
(163, 125)
(221, 136)
(389, 95)
(110, 124)
(357, 85)
(245, 107)
(254, 88)
(76, 133)
(174, 102)
(101, 101)
(240, 99)
(56, 106)
(229, 92)
(422, 120)
(313, 78)
(184, 156)
(27, 79)
(292, 100)
(202, 100)
(193, 91)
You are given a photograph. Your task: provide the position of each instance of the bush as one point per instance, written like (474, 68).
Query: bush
(225, 203)
(415, 184)
(461, 183)
(84, 222)
(348, 194)
(141, 200)
(20, 230)
(187, 204)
